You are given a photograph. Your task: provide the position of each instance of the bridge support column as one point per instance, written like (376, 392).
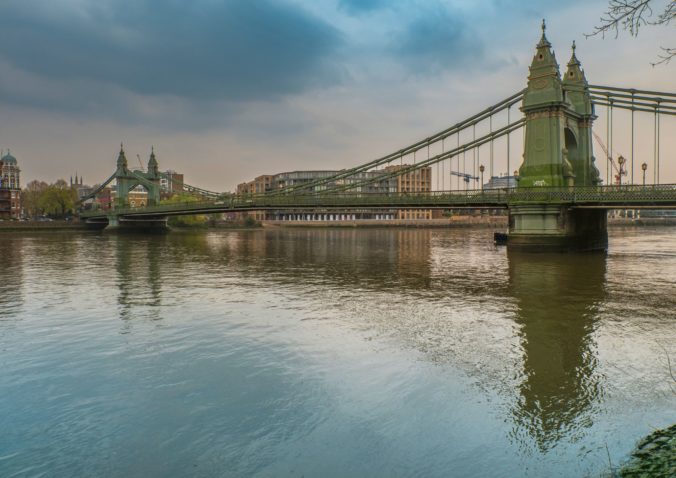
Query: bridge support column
(557, 228)
(113, 223)
(156, 224)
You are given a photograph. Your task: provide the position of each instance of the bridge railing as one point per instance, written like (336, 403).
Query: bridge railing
(468, 198)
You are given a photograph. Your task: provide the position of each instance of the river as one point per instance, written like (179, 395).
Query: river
(331, 352)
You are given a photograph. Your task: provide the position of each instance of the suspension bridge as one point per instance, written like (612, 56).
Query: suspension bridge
(560, 200)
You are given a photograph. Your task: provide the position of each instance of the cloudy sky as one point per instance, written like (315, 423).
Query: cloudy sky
(229, 89)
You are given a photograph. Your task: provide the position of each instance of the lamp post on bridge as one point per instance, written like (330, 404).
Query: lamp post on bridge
(481, 170)
(644, 166)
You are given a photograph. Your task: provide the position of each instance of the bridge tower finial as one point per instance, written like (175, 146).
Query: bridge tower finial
(575, 74)
(122, 162)
(153, 168)
(544, 43)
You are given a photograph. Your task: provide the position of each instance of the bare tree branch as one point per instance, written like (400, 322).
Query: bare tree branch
(664, 57)
(631, 15)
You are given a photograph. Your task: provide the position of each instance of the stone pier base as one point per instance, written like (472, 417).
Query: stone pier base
(557, 228)
(121, 224)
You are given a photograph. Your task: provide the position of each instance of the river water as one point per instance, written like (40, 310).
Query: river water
(343, 352)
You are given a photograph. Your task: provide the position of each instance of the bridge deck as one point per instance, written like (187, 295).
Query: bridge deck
(608, 197)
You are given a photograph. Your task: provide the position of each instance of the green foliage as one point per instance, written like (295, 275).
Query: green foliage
(654, 456)
(249, 221)
(30, 197)
(195, 220)
(57, 199)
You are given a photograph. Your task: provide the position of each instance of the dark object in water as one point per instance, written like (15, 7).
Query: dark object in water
(500, 238)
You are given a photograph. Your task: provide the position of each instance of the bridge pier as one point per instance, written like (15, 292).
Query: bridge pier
(557, 228)
(114, 223)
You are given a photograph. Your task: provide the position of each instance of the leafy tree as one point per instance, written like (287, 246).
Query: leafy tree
(194, 220)
(30, 196)
(631, 15)
(57, 199)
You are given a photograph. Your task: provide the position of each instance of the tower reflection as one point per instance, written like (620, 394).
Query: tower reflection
(139, 281)
(558, 298)
(11, 267)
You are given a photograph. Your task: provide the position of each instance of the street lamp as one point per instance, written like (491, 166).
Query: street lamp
(644, 166)
(482, 169)
(621, 162)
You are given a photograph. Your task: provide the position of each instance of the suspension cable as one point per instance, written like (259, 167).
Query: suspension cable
(632, 139)
(472, 120)
(508, 146)
(440, 157)
(608, 157)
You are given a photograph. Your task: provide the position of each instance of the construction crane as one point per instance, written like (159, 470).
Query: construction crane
(618, 169)
(139, 162)
(465, 177)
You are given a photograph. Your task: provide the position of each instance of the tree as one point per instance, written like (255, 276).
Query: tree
(631, 15)
(194, 220)
(58, 199)
(30, 196)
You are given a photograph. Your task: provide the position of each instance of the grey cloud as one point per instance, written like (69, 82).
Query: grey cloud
(435, 41)
(203, 49)
(362, 6)
(539, 9)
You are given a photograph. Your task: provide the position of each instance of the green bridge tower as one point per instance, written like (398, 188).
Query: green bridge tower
(126, 181)
(557, 153)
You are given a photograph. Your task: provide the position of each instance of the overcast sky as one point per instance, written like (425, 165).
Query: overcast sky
(229, 89)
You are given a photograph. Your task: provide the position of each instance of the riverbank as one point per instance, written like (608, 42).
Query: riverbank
(475, 222)
(44, 226)
(455, 221)
(655, 456)
(641, 222)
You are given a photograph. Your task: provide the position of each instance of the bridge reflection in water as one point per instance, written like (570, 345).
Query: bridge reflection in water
(558, 298)
(552, 299)
(426, 348)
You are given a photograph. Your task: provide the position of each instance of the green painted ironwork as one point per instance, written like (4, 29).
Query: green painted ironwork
(559, 115)
(388, 159)
(558, 172)
(630, 196)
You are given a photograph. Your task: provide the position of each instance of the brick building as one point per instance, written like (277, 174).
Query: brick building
(10, 187)
(419, 181)
(171, 183)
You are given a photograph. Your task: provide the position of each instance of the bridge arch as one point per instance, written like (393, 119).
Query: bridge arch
(571, 144)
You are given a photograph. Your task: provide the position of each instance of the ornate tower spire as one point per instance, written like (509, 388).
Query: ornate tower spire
(574, 74)
(153, 168)
(576, 86)
(122, 166)
(544, 81)
(579, 143)
(543, 104)
(543, 41)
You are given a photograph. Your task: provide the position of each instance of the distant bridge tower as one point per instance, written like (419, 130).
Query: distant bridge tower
(127, 180)
(557, 153)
